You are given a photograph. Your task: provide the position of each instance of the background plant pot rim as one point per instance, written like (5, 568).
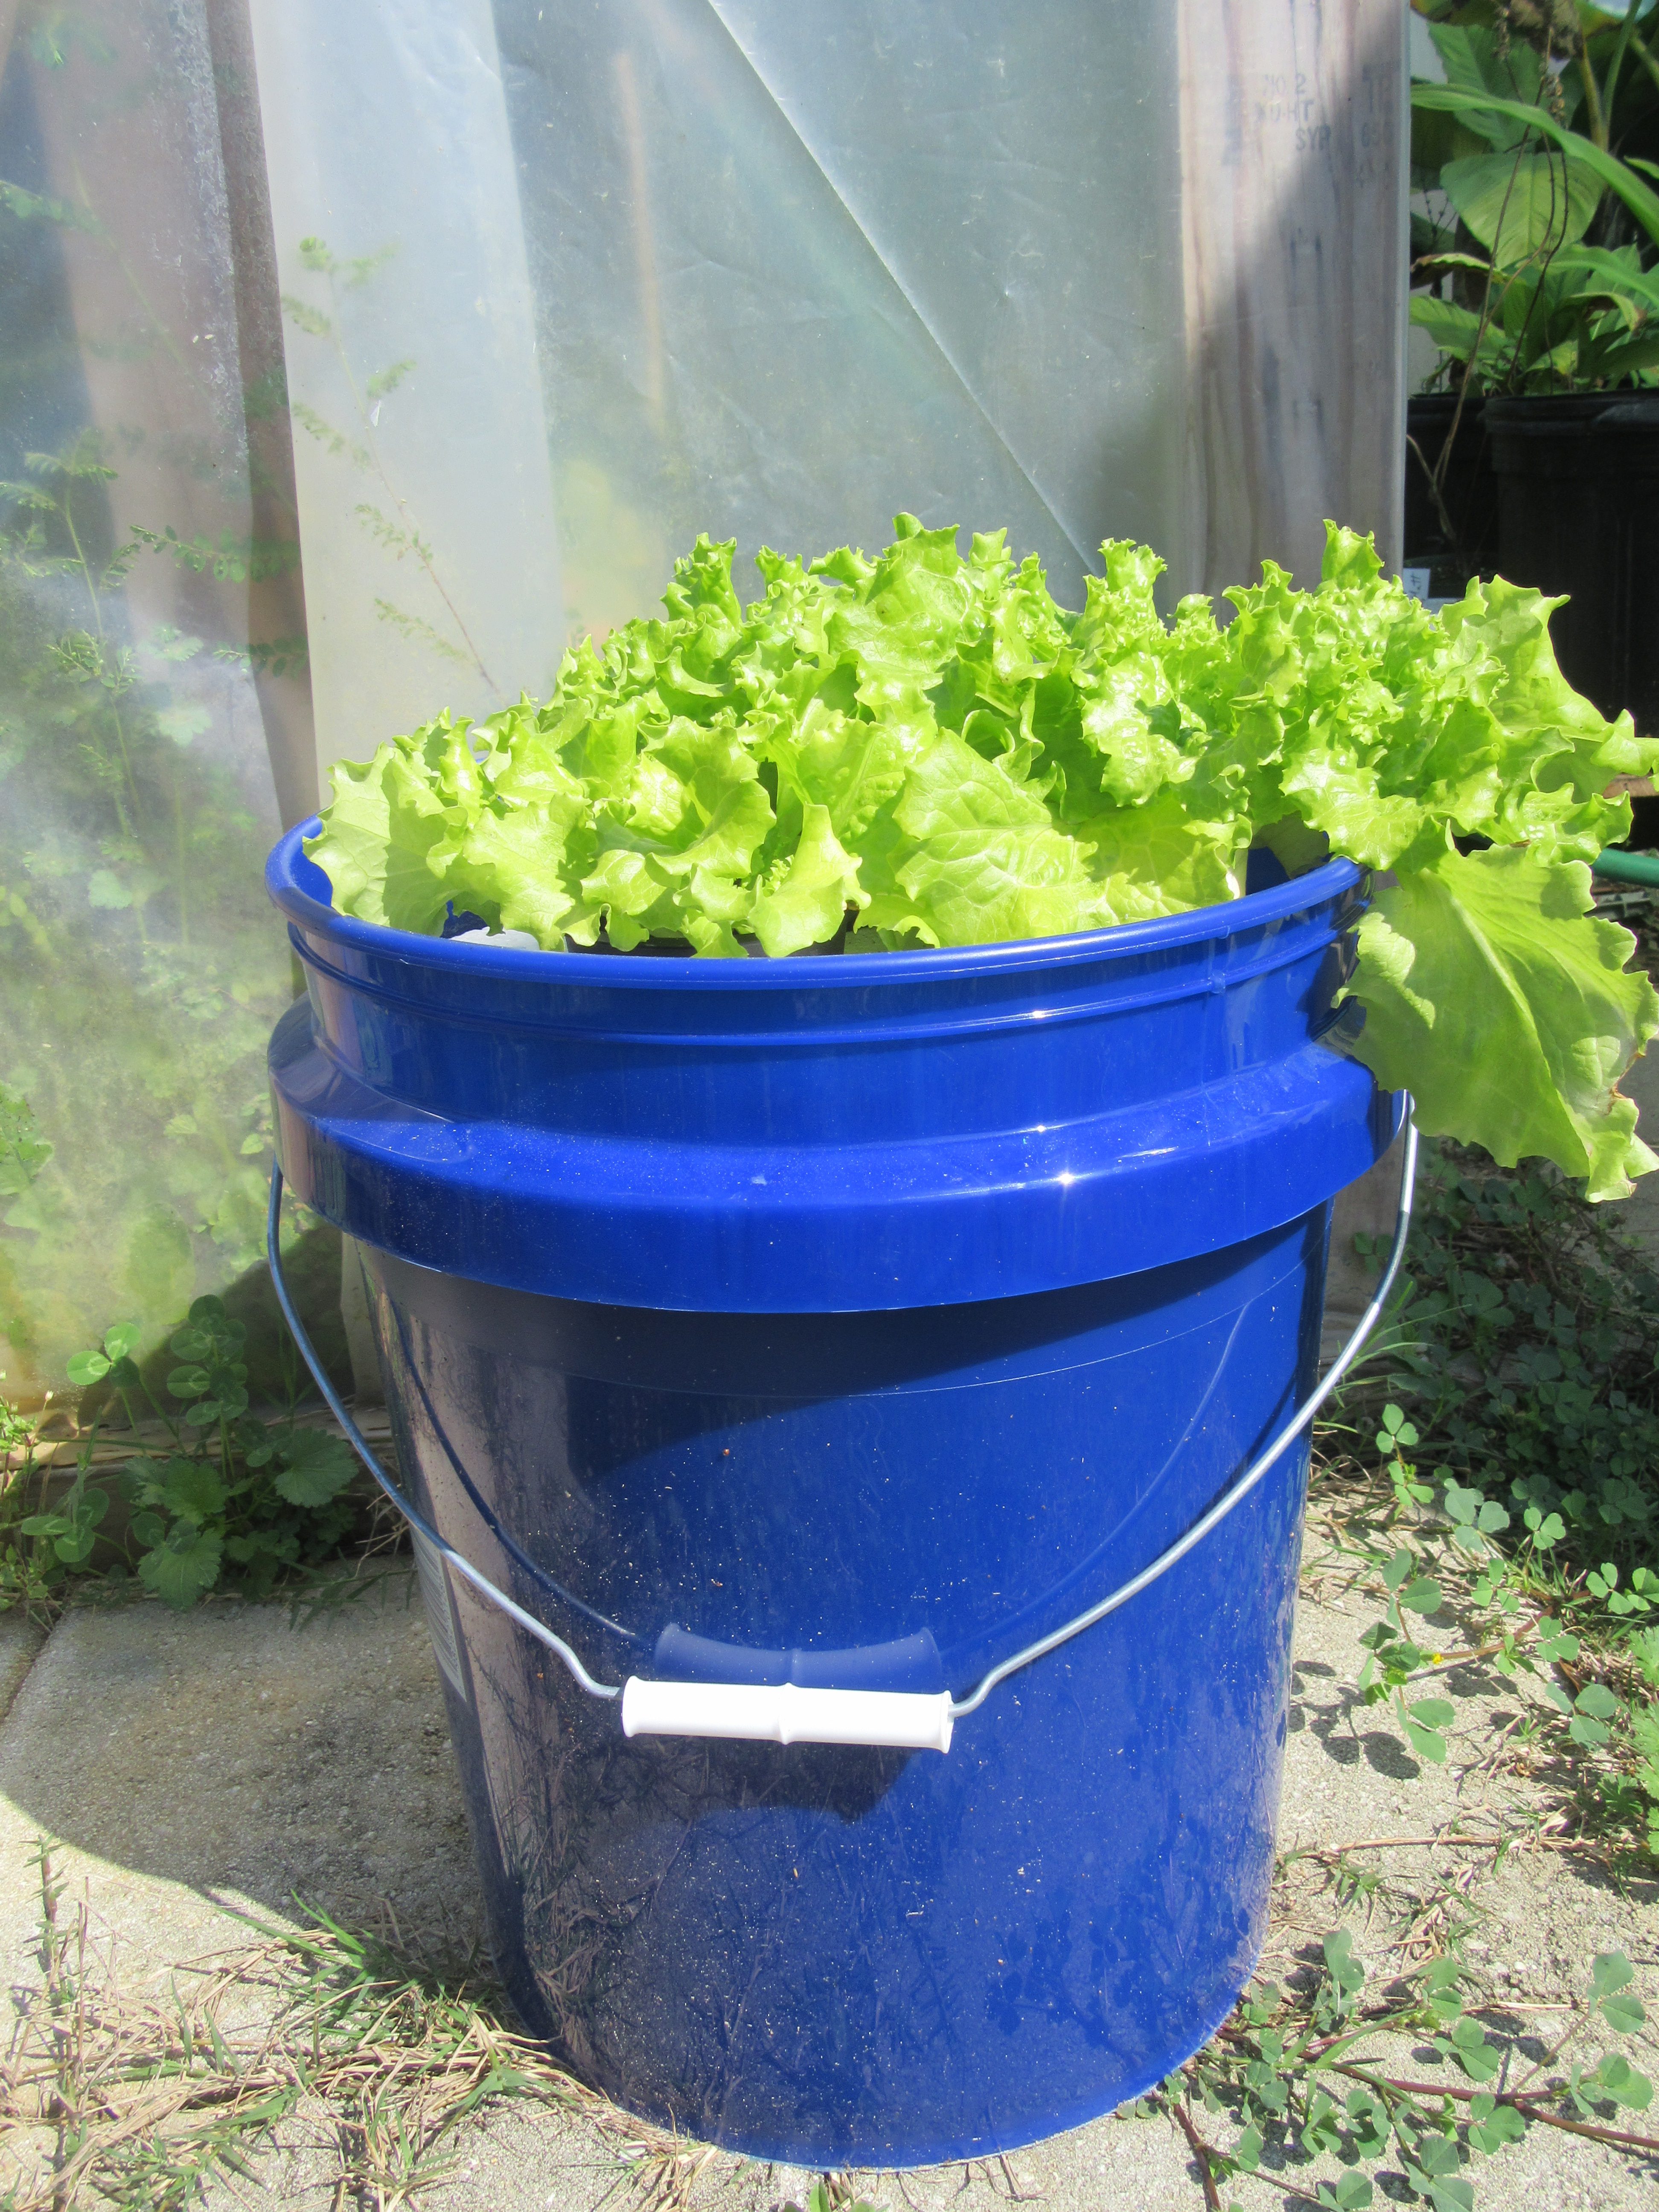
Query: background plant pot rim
(1572, 414)
(1446, 403)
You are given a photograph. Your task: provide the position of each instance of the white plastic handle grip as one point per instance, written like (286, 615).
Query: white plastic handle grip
(788, 1714)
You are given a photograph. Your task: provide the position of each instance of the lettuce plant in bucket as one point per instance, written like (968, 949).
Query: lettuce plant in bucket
(836, 1358)
(924, 749)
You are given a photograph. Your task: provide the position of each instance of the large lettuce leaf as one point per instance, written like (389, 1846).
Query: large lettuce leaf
(1508, 1012)
(923, 749)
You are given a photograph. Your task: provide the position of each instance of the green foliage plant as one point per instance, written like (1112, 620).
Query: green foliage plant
(1300, 2075)
(138, 977)
(1552, 233)
(1524, 1365)
(228, 1499)
(925, 749)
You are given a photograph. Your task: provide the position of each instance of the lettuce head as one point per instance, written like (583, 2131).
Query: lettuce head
(923, 749)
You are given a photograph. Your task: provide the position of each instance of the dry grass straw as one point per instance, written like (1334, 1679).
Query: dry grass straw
(338, 2040)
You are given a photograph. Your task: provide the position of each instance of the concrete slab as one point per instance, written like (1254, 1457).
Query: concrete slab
(20, 1639)
(189, 1767)
(222, 1757)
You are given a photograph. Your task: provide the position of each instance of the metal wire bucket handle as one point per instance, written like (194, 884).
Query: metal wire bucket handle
(788, 1713)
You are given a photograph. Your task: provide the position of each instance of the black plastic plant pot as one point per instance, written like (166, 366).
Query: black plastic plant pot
(1468, 493)
(1577, 482)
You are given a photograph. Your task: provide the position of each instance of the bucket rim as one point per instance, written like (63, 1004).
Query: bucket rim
(799, 971)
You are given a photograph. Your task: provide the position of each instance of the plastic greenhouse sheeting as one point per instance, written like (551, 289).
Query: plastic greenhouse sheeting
(570, 285)
(492, 310)
(151, 654)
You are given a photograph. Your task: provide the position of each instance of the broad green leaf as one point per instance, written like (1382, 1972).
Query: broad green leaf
(1617, 272)
(1440, 1993)
(1620, 2081)
(1623, 2012)
(1617, 175)
(809, 902)
(1422, 1595)
(1349, 2192)
(1462, 1504)
(1345, 1970)
(926, 737)
(1611, 1977)
(190, 1488)
(1519, 204)
(87, 1367)
(1545, 1529)
(379, 830)
(523, 864)
(1475, 64)
(1427, 1743)
(1157, 859)
(315, 1467)
(23, 1150)
(182, 1569)
(1454, 329)
(1448, 2194)
(105, 890)
(1436, 2155)
(1489, 990)
(1492, 2125)
(1435, 1712)
(980, 861)
(1467, 2043)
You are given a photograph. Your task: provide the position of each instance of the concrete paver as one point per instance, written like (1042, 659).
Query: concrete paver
(190, 1767)
(20, 1639)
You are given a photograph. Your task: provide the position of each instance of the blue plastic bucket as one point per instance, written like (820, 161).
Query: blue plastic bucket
(852, 1321)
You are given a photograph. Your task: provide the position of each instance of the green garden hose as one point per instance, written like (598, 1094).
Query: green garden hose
(1622, 867)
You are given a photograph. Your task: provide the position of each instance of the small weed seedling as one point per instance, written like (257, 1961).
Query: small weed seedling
(232, 1498)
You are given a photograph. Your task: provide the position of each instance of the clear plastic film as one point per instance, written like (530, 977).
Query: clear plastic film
(587, 281)
(153, 700)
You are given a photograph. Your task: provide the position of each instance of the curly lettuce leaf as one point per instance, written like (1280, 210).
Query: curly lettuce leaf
(809, 902)
(378, 835)
(1158, 859)
(1507, 1011)
(978, 860)
(674, 858)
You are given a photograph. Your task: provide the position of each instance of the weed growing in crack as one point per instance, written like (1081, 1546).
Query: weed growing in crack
(225, 1496)
(1516, 1452)
(314, 2039)
(1299, 2073)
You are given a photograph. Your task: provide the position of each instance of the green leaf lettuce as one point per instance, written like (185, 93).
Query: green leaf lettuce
(922, 748)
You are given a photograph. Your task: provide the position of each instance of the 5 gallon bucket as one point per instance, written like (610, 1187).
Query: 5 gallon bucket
(851, 1323)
